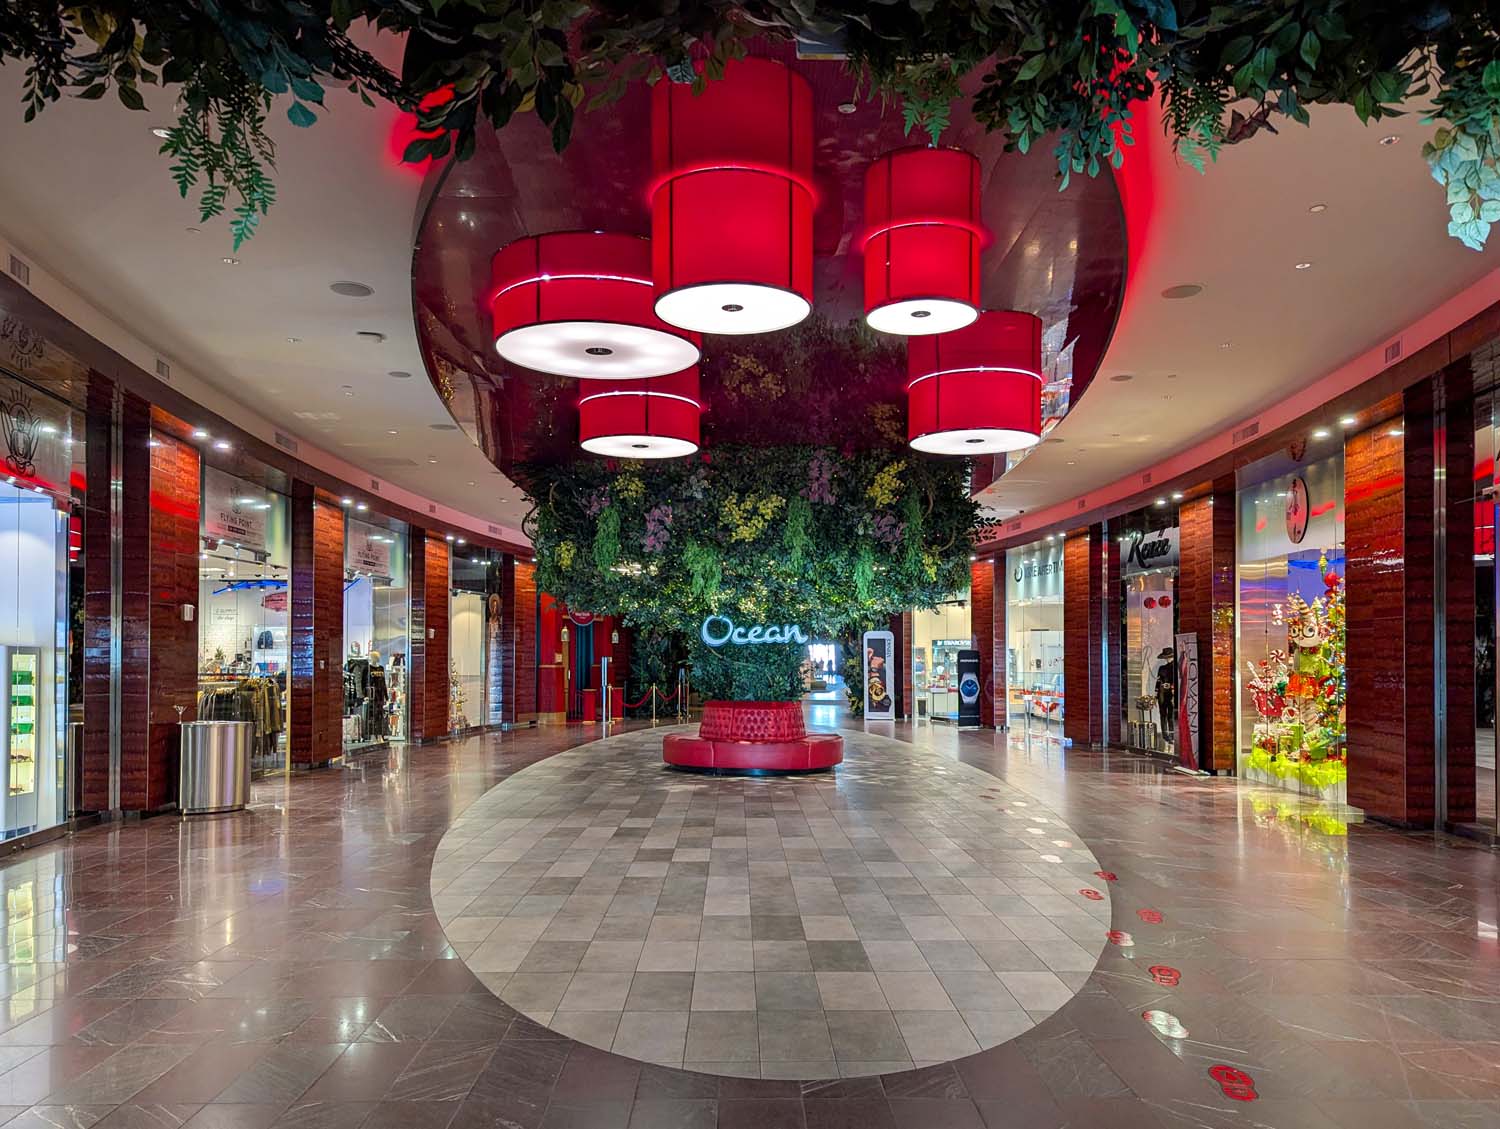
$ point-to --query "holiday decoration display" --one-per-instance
(1299, 694)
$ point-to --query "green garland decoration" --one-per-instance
(1064, 72)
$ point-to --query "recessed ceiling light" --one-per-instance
(392, 431)
(1348, 421)
(460, 541)
(221, 444)
(1072, 462)
(362, 507)
(294, 340)
(1226, 344)
(199, 433)
(471, 484)
(1161, 501)
(450, 537)
(847, 107)
(1395, 433)
(1123, 377)
(346, 501)
(351, 289)
(1318, 209)
(1321, 433)
(230, 261)
(399, 375)
(1389, 139)
(1177, 495)
(161, 131)
(1302, 266)
(432, 458)
(1185, 290)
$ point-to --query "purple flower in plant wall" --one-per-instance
(598, 502)
(658, 528)
(887, 530)
(819, 486)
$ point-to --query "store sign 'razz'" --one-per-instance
(720, 629)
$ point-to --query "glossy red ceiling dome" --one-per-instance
(579, 303)
(732, 200)
(976, 390)
(922, 241)
(642, 419)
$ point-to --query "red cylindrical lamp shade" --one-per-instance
(922, 240)
(976, 390)
(732, 200)
(642, 419)
(579, 303)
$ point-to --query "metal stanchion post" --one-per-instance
(652, 696)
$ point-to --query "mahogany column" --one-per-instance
(1205, 606)
(1388, 490)
(315, 727)
(429, 631)
(150, 783)
(982, 634)
(518, 631)
(100, 634)
(903, 626)
(1083, 636)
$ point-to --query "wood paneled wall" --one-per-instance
(982, 634)
(1083, 636)
(316, 693)
(518, 615)
(429, 631)
(98, 598)
(1205, 606)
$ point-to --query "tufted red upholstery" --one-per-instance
(752, 721)
(800, 754)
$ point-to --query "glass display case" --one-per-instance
(23, 728)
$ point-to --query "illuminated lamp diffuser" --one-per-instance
(642, 419)
(976, 390)
(579, 303)
(922, 241)
(732, 200)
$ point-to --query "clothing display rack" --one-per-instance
(257, 700)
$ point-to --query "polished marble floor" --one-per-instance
(904, 911)
(286, 967)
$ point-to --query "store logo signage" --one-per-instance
(1036, 568)
(718, 630)
(22, 433)
(1156, 550)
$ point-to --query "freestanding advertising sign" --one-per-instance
(968, 689)
(1187, 700)
(880, 704)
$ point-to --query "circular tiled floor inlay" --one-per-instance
(899, 911)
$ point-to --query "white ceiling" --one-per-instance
(1380, 256)
(85, 195)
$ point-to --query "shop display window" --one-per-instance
(1034, 635)
(376, 633)
(938, 634)
(1148, 571)
(243, 616)
(1290, 616)
(41, 459)
(469, 592)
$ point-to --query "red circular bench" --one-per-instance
(753, 737)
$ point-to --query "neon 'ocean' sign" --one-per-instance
(718, 630)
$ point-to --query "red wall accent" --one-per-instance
(551, 669)
(316, 693)
(1083, 635)
(981, 635)
(1205, 605)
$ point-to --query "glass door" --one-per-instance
(1485, 602)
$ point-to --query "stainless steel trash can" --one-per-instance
(215, 766)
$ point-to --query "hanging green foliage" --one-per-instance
(1058, 72)
(607, 538)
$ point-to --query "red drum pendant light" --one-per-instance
(732, 200)
(976, 390)
(642, 419)
(922, 241)
(579, 303)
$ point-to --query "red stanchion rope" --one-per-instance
(644, 698)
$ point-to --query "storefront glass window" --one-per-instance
(41, 453)
(1034, 635)
(468, 616)
(243, 574)
(1148, 568)
(376, 632)
(1486, 366)
(937, 635)
(1290, 617)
